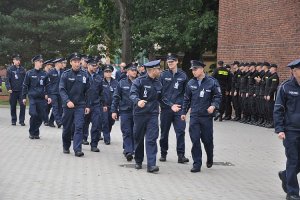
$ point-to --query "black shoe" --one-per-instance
(95, 149)
(220, 118)
(31, 137)
(59, 125)
(66, 151)
(52, 125)
(163, 158)
(22, 123)
(107, 142)
(182, 159)
(194, 170)
(13, 123)
(217, 116)
(79, 154)
(129, 157)
(85, 142)
(37, 137)
(101, 138)
(292, 197)
(46, 123)
(282, 177)
(152, 169)
(227, 118)
(209, 163)
(138, 166)
(271, 125)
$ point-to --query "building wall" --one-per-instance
(259, 30)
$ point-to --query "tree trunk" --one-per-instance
(193, 54)
(123, 7)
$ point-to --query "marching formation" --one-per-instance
(87, 94)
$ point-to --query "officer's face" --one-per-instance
(296, 73)
(38, 64)
(172, 64)
(156, 72)
(16, 62)
(92, 68)
(64, 64)
(83, 63)
(198, 72)
(58, 65)
(141, 69)
(132, 73)
(75, 63)
(107, 74)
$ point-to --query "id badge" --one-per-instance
(41, 82)
(16, 76)
(176, 85)
(202, 93)
(111, 89)
(84, 79)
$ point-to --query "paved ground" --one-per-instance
(37, 169)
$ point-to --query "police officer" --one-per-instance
(34, 86)
(244, 91)
(123, 106)
(145, 93)
(228, 106)
(73, 88)
(287, 126)
(270, 93)
(203, 96)
(14, 81)
(94, 96)
(49, 121)
(174, 81)
(258, 81)
(53, 90)
(235, 90)
(109, 86)
(250, 98)
(142, 71)
(223, 77)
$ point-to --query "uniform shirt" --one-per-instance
(173, 86)
(263, 83)
(121, 100)
(258, 84)
(223, 76)
(143, 73)
(73, 86)
(271, 85)
(200, 98)
(244, 82)
(108, 91)
(148, 89)
(14, 78)
(251, 82)
(287, 107)
(35, 84)
(236, 81)
(95, 95)
(53, 81)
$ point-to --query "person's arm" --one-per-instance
(62, 88)
(134, 91)
(274, 85)
(216, 95)
(279, 110)
(8, 79)
(116, 99)
(26, 84)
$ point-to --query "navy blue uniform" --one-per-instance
(124, 107)
(94, 117)
(53, 92)
(34, 86)
(73, 86)
(120, 75)
(172, 92)
(146, 118)
(236, 100)
(270, 90)
(108, 122)
(286, 119)
(14, 81)
(199, 97)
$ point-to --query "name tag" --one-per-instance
(179, 79)
(293, 93)
(41, 82)
(201, 93)
(168, 79)
(147, 86)
(126, 87)
(208, 90)
(71, 79)
(193, 87)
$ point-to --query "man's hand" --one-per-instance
(211, 109)
(183, 117)
(46, 97)
(9, 91)
(142, 103)
(70, 104)
(114, 116)
(247, 94)
(281, 135)
(176, 107)
(86, 111)
(226, 93)
(24, 101)
(105, 109)
(235, 93)
(268, 98)
(49, 100)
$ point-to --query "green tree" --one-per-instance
(52, 28)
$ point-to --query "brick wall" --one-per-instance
(259, 30)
